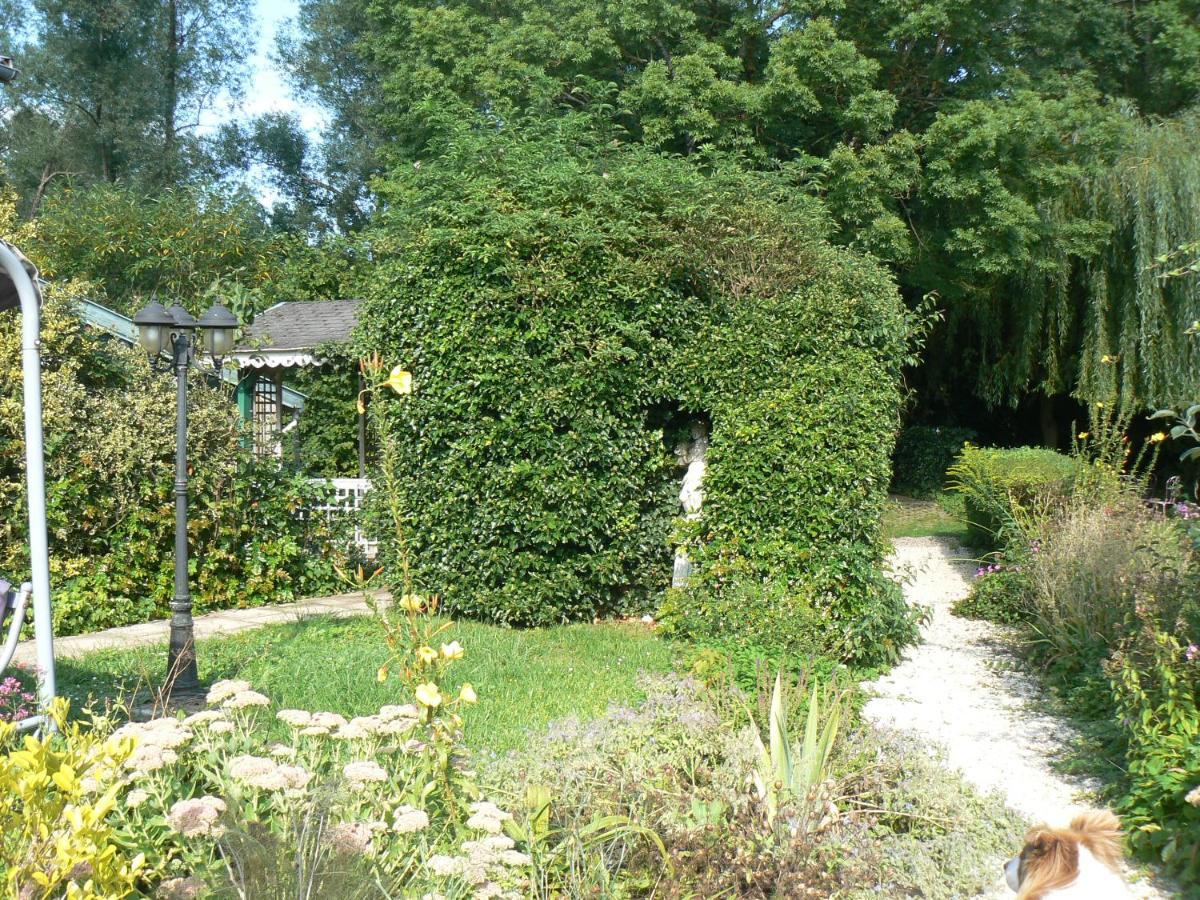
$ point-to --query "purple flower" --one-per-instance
(1192, 652)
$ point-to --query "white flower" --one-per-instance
(244, 699)
(358, 728)
(487, 817)
(243, 768)
(395, 727)
(283, 751)
(198, 817)
(136, 798)
(1193, 796)
(313, 730)
(515, 858)
(409, 819)
(362, 771)
(225, 689)
(203, 717)
(150, 758)
(444, 866)
(327, 720)
(220, 726)
(297, 718)
(406, 711)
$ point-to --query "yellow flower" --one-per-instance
(1083, 435)
(1099, 404)
(426, 654)
(400, 381)
(452, 650)
(1158, 437)
(412, 603)
(467, 693)
(1106, 359)
(428, 694)
(382, 674)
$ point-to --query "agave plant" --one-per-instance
(789, 776)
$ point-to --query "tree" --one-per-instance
(115, 89)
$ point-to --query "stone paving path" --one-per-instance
(965, 689)
(229, 621)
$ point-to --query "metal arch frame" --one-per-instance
(35, 478)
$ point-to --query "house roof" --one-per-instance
(288, 333)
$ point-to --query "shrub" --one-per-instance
(923, 455)
(1156, 687)
(110, 427)
(560, 339)
(57, 796)
(1096, 568)
(1000, 593)
(997, 483)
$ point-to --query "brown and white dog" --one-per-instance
(1081, 862)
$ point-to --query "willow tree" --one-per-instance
(1136, 343)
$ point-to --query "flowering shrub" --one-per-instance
(1001, 589)
(17, 699)
(202, 796)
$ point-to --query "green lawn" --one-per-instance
(524, 678)
(940, 517)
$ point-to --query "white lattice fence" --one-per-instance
(346, 498)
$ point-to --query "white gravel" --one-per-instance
(963, 688)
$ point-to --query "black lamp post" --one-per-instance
(174, 332)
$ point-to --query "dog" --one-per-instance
(1080, 862)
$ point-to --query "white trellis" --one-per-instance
(346, 498)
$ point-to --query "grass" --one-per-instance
(940, 517)
(524, 678)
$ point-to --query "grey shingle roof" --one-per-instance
(300, 325)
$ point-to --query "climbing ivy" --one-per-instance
(565, 315)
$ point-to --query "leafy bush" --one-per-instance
(562, 338)
(1097, 567)
(681, 764)
(923, 455)
(996, 483)
(1156, 688)
(110, 439)
(1000, 593)
(57, 798)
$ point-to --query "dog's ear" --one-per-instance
(1100, 831)
(1049, 861)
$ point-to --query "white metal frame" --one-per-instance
(15, 266)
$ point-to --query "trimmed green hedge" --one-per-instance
(923, 455)
(993, 481)
(567, 311)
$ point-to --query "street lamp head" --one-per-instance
(184, 320)
(218, 325)
(154, 323)
(7, 70)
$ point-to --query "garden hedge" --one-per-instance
(994, 481)
(567, 312)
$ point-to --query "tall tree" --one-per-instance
(117, 89)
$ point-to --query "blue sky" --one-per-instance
(266, 90)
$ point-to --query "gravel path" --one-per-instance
(964, 689)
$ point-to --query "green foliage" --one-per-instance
(1156, 692)
(174, 245)
(790, 775)
(923, 455)
(110, 427)
(996, 483)
(559, 337)
(1000, 593)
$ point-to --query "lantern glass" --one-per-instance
(220, 341)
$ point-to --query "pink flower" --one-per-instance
(1192, 652)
